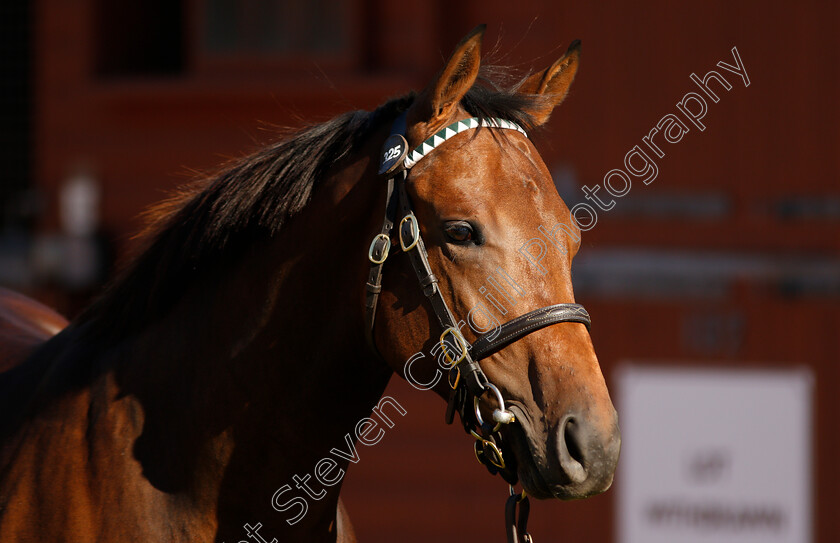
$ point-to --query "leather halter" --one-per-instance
(466, 379)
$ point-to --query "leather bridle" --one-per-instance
(467, 381)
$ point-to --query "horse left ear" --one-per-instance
(553, 83)
(442, 96)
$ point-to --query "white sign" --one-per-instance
(711, 455)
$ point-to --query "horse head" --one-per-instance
(499, 241)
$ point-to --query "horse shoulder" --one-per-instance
(24, 324)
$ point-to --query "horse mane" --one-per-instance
(251, 198)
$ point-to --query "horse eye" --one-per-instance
(459, 231)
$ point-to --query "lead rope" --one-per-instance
(517, 529)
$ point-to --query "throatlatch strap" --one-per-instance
(496, 340)
(377, 254)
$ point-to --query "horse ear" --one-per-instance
(456, 78)
(553, 83)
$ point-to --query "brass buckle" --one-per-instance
(415, 232)
(454, 386)
(461, 344)
(480, 448)
(373, 246)
(496, 452)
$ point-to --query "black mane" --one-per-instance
(252, 198)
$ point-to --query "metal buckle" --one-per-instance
(459, 340)
(497, 453)
(494, 458)
(478, 450)
(500, 415)
(415, 232)
(454, 386)
(373, 247)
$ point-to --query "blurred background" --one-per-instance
(729, 260)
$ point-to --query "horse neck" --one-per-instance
(262, 367)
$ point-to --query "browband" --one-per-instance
(453, 129)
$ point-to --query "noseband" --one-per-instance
(467, 381)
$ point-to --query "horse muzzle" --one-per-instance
(572, 460)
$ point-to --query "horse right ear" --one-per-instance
(440, 99)
(552, 83)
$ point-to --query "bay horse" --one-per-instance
(231, 355)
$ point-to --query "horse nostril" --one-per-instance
(570, 450)
(570, 434)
